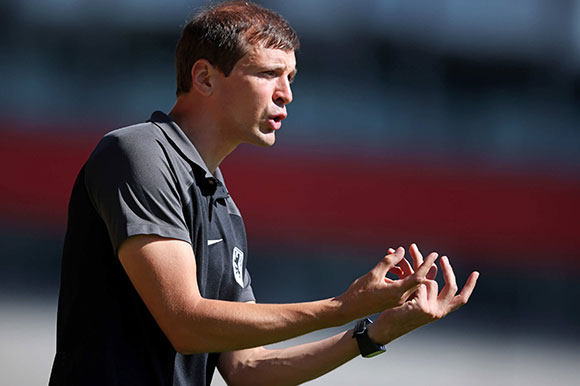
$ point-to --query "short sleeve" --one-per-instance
(247, 293)
(132, 184)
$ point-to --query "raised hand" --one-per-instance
(425, 306)
(374, 292)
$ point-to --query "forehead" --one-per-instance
(263, 57)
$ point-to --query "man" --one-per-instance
(154, 286)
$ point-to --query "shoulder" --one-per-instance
(137, 146)
(131, 139)
(137, 153)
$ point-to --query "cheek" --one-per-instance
(254, 104)
(247, 101)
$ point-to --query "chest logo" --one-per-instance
(212, 242)
(238, 266)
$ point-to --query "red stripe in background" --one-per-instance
(38, 172)
(293, 198)
(387, 203)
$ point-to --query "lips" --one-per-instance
(275, 121)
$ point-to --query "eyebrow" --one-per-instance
(280, 66)
(277, 67)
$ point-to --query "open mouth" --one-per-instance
(278, 117)
(276, 122)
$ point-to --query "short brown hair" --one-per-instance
(224, 33)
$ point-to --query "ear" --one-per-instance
(202, 73)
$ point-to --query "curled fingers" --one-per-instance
(412, 282)
(388, 262)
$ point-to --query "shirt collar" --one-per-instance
(184, 144)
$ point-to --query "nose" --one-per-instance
(283, 94)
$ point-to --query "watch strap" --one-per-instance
(367, 347)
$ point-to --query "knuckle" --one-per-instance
(390, 259)
(432, 315)
(437, 314)
(419, 280)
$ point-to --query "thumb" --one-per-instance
(388, 262)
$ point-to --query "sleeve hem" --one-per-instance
(153, 229)
(247, 295)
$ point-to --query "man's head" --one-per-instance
(224, 33)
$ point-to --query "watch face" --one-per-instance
(361, 327)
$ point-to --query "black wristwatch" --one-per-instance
(367, 347)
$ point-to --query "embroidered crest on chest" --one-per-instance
(238, 266)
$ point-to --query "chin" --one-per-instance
(264, 139)
(266, 143)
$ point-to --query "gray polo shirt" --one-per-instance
(143, 179)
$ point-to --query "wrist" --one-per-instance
(391, 324)
(367, 347)
(376, 334)
(341, 314)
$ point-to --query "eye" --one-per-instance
(292, 76)
(269, 73)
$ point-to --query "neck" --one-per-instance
(212, 146)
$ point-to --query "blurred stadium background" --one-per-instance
(449, 123)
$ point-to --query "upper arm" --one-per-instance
(163, 271)
(133, 186)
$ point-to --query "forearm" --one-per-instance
(163, 272)
(292, 365)
(298, 364)
(218, 326)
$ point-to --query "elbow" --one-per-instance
(246, 368)
(191, 339)
(187, 347)
(182, 348)
(187, 343)
(186, 332)
(180, 342)
(182, 336)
